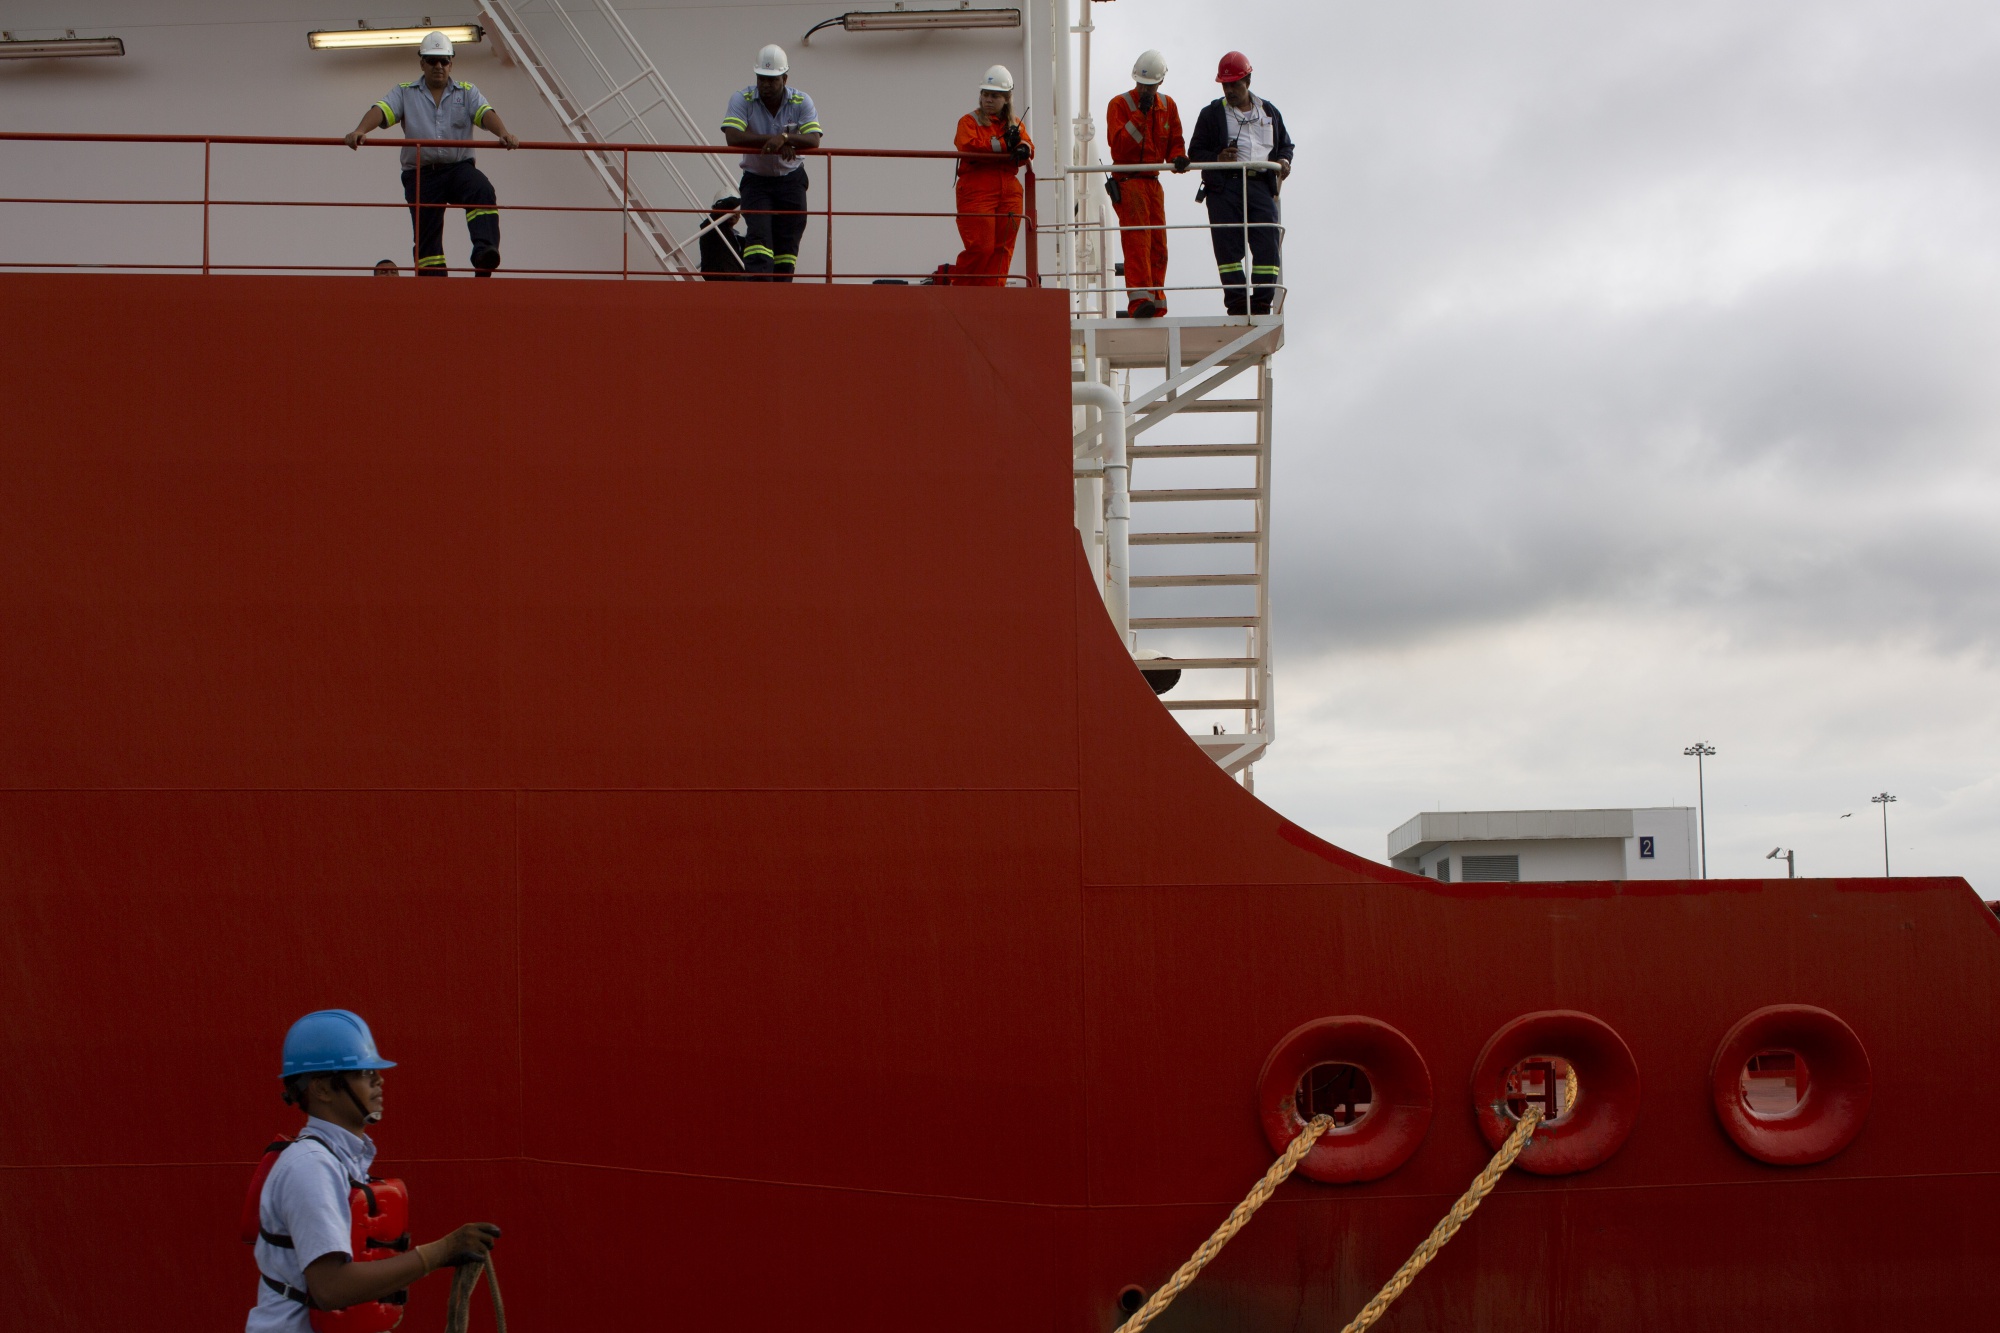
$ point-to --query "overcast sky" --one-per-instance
(1638, 391)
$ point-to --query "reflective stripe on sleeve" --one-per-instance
(732, 123)
(810, 127)
(480, 114)
(388, 116)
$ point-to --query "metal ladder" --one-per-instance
(1224, 650)
(621, 109)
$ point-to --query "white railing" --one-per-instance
(1095, 285)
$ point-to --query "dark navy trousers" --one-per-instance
(459, 185)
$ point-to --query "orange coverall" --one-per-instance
(1139, 135)
(989, 202)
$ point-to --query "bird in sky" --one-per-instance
(1848, 815)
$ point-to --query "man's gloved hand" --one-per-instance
(467, 1245)
(1180, 164)
(1113, 188)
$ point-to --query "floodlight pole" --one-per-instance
(1883, 801)
(1701, 750)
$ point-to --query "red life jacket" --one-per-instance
(380, 1210)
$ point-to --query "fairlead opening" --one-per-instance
(1341, 1092)
(1544, 1081)
(1773, 1083)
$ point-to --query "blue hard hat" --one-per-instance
(329, 1040)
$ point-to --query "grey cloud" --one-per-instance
(1686, 308)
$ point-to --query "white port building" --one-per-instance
(1655, 842)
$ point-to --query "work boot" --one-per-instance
(484, 260)
(1147, 310)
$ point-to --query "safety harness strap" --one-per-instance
(285, 1242)
(288, 1291)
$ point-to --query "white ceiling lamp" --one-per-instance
(365, 37)
(920, 20)
(15, 48)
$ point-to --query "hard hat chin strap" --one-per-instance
(368, 1117)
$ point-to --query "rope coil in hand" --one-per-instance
(1295, 1151)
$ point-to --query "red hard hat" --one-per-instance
(1235, 65)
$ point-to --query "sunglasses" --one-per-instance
(437, 60)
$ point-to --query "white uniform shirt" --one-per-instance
(305, 1197)
(1253, 131)
(451, 116)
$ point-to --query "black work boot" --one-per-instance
(484, 260)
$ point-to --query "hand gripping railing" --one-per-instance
(207, 201)
(1083, 280)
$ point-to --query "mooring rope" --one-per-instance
(1295, 1151)
(458, 1309)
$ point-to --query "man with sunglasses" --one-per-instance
(438, 107)
(311, 1203)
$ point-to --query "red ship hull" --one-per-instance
(707, 764)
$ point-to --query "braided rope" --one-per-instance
(1235, 1222)
(1447, 1227)
(458, 1307)
(1468, 1202)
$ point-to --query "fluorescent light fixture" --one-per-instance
(882, 20)
(906, 20)
(12, 49)
(352, 39)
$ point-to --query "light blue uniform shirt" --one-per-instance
(451, 117)
(795, 115)
(305, 1197)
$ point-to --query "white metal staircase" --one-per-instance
(1200, 539)
(633, 104)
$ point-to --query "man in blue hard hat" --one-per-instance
(315, 1248)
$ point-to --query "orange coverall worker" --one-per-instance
(1138, 133)
(989, 201)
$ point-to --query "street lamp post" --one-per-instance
(1883, 801)
(1791, 867)
(1701, 750)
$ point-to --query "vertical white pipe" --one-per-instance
(1027, 109)
(1065, 147)
(1117, 504)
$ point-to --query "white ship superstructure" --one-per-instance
(1177, 532)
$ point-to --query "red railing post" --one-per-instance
(626, 206)
(417, 220)
(1034, 255)
(207, 152)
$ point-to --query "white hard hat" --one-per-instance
(437, 44)
(999, 79)
(1150, 67)
(772, 60)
